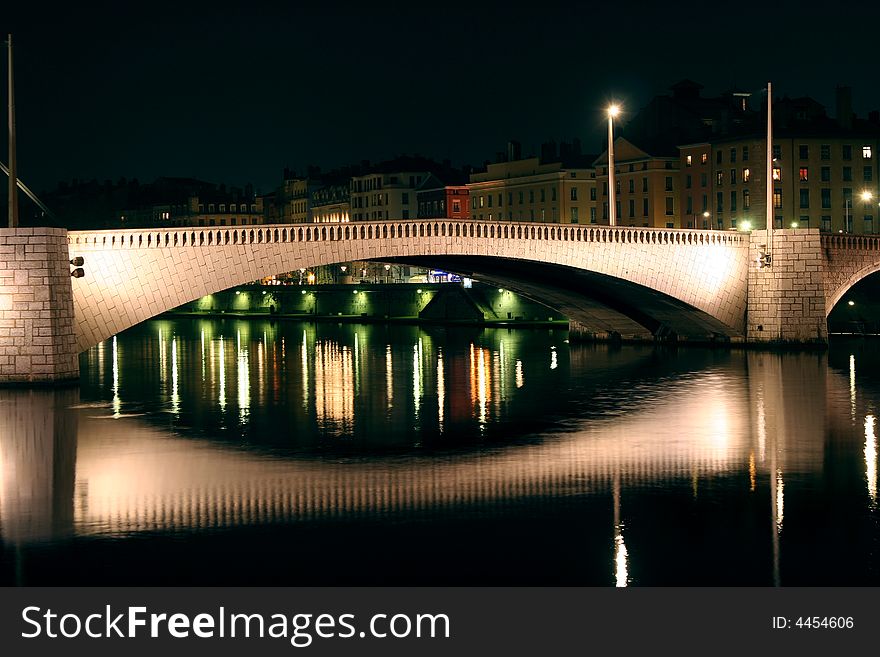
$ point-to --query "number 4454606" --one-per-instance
(824, 622)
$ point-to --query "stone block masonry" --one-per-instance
(37, 333)
(786, 301)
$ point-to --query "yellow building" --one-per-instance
(294, 198)
(377, 196)
(527, 190)
(646, 187)
(827, 181)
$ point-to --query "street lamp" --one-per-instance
(613, 111)
(706, 218)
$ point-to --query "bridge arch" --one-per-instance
(833, 297)
(848, 259)
(648, 276)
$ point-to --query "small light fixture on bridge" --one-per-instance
(794, 224)
(78, 262)
(238, 291)
(419, 291)
(303, 292)
(264, 291)
(343, 268)
(354, 291)
(850, 303)
(501, 290)
(745, 226)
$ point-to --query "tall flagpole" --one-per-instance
(13, 174)
(769, 172)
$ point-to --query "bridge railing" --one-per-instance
(391, 229)
(860, 242)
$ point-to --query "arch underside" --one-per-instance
(604, 305)
(834, 298)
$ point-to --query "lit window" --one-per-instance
(704, 158)
(747, 175)
(777, 173)
(777, 198)
(688, 161)
(803, 174)
(866, 152)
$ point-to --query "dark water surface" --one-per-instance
(249, 452)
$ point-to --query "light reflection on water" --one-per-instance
(610, 466)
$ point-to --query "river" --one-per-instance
(254, 452)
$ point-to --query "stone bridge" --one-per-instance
(617, 282)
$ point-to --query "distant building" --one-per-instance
(554, 189)
(646, 186)
(436, 199)
(331, 203)
(293, 199)
(188, 202)
(386, 195)
(824, 173)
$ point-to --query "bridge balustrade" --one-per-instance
(397, 229)
(860, 242)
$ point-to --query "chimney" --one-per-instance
(548, 151)
(844, 107)
(514, 151)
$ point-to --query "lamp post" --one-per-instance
(613, 111)
(706, 219)
(13, 176)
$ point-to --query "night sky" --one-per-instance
(235, 93)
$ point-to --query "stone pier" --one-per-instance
(37, 337)
(786, 300)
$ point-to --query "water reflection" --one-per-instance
(703, 450)
(871, 459)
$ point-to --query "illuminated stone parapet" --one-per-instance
(37, 337)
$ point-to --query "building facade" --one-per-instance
(436, 199)
(646, 187)
(330, 204)
(377, 196)
(529, 190)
